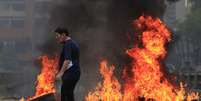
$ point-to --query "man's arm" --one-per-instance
(64, 67)
(67, 62)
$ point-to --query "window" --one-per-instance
(9, 44)
(14, 22)
(18, 7)
(4, 6)
(17, 22)
(4, 22)
(9, 5)
(10, 12)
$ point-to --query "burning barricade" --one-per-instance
(45, 88)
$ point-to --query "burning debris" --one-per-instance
(148, 82)
(46, 97)
(45, 80)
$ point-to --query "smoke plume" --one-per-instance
(102, 29)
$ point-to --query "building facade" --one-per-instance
(21, 23)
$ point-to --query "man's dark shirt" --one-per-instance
(70, 51)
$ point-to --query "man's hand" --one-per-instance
(66, 65)
(59, 75)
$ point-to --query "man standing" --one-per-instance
(69, 69)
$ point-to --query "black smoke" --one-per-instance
(102, 23)
(102, 28)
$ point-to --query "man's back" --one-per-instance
(70, 52)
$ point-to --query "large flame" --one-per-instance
(46, 78)
(109, 90)
(148, 80)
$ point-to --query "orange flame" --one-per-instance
(45, 81)
(148, 80)
(109, 90)
(46, 78)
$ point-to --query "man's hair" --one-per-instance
(61, 30)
